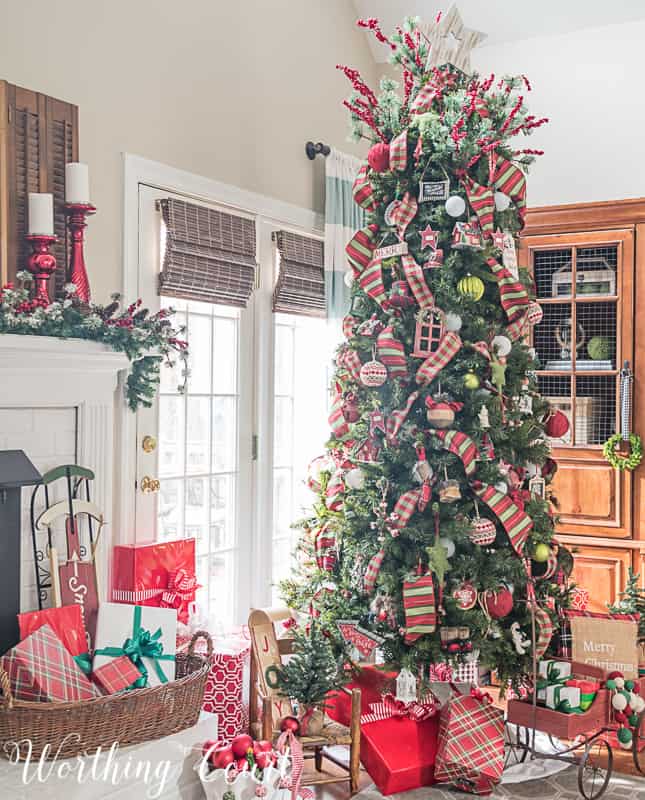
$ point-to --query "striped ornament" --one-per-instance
(391, 352)
(363, 191)
(396, 419)
(462, 446)
(372, 571)
(414, 275)
(360, 248)
(325, 548)
(371, 282)
(335, 492)
(512, 294)
(448, 348)
(516, 523)
(406, 505)
(482, 202)
(336, 420)
(399, 152)
(425, 98)
(420, 607)
(349, 325)
(405, 211)
(509, 178)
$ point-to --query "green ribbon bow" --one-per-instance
(141, 645)
(84, 662)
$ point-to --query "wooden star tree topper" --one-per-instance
(451, 42)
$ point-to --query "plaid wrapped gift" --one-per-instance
(461, 672)
(120, 673)
(40, 669)
(471, 745)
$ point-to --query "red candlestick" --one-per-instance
(41, 263)
(77, 274)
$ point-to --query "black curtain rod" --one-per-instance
(312, 150)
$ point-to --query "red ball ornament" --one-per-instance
(241, 765)
(620, 717)
(262, 746)
(465, 596)
(615, 674)
(382, 615)
(241, 745)
(556, 424)
(378, 157)
(499, 604)
(264, 759)
(290, 724)
(222, 757)
(209, 747)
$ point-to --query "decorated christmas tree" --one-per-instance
(432, 534)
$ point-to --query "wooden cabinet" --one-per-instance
(584, 259)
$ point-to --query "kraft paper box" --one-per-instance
(609, 642)
(122, 629)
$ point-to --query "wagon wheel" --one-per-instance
(516, 745)
(594, 770)
(638, 743)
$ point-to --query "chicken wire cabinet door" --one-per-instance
(584, 285)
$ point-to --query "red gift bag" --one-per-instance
(470, 754)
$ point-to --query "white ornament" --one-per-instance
(348, 279)
(535, 314)
(532, 469)
(502, 345)
(502, 487)
(389, 211)
(619, 702)
(638, 704)
(484, 419)
(502, 201)
(355, 478)
(521, 642)
(455, 205)
(373, 374)
(406, 686)
(453, 322)
(620, 683)
(449, 546)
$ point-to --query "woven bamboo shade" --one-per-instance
(300, 288)
(210, 255)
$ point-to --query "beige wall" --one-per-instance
(228, 89)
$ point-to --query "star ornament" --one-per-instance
(429, 238)
(451, 42)
(498, 239)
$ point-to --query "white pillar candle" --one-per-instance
(41, 214)
(77, 183)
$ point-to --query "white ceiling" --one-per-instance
(505, 20)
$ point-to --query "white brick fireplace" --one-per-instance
(59, 401)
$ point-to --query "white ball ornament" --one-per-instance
(502, 345)
(535, 314)
(453, 322)
(502, 201)
(449, 545)
(355, 478)
(348, 279)
(620, 683)
(455, 205)
(619, 702)
(638, 704)
(373, 374)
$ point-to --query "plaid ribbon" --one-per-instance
(349, 325)
(516, 523)
(414, 275)
(519, 328)
(482, 202)
(448, 348)
(371, 282)
(399, 152)
(512, 294)
(509, 178)
(360, 248)
(396, 419)
(391, 707)
(406, 505)
(363, 191)
(391, 353)
(350, 359)
(404, 212)
(419, 606)
(462, 446)
(335, 491)
(545, 630)
(288, 744)
(426, 96)
(325, 548)
(336, 419)
(372, 571)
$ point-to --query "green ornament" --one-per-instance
(471, 381)
(633, 719)
(629, 685)
(624, 735)
(438, 560)
(498, 374)
(599, 348)
(611, 684)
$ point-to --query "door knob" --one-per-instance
(149, 485)
(148, 444)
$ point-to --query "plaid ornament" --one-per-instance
(399, 152)
(360, 248)
(462, 446)
(512, 294)
(420, 607)
(40, 669)
(426, 96)
(325, 548)
(482, 202)
(336, 419)
(448, 348)
(390, 352)
(372, 571)
(517, 524)
(414, 275)
(404, 212)
(371, 282)
(362, 190)
(396, 419)
(120, 673)
(470, 755)
(509, 178)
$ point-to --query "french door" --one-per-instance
(194, 447)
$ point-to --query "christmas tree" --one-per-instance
(632, 601)
(432, 511)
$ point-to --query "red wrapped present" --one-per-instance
(157, 574)
(399, 744)
(40, 669)
(120, 673)
(470, 755)
(66, 622)
(372, 682)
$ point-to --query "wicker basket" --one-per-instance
(65, 730)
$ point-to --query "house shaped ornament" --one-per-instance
(406, 686)
(467, 234)
(429, 331)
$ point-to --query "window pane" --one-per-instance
(283, 359)
(171, 435)
(171, 502)
(221, 582)
(283, 444)
(224, 456)
(196, 518)
(198, 434)
(282, 502)
(200, 354)
(222, 532)
(225, 356)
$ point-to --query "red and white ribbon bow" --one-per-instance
(288, 743)
(477, 693)
(391, 707)
(181, 586)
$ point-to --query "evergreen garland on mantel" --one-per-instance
(146, 339)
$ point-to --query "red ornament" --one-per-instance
(264, 759)
(209, 747)
(556, 424)
(241, 745)
(290, 724)
(378, 157)
(262, 746)
(350, 407)
(241, 765)
(465, 596)
(382, 615)
(222, 757)
(498, 604)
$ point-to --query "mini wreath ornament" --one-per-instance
(623, 462)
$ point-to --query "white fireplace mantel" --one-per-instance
(43, 372)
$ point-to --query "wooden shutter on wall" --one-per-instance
(300, 288)
(209, 256)
(38, 136)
